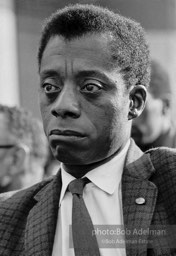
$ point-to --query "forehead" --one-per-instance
(91, 49)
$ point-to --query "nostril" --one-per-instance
(63, 113)
(54, 113)
(73, 115)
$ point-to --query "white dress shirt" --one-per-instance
(103, 200)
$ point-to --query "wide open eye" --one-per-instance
(91, 86)
(49, 88)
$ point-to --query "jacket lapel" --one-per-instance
(139, 199)
(41, 222)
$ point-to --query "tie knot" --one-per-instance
(76, 186)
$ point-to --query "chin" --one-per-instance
(70, 158)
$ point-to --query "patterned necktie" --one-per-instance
(84, 240)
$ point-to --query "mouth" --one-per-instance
(66, 133)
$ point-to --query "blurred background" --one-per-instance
(20, 27)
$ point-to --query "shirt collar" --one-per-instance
(66, 179)
(107, 176)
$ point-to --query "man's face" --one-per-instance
(83, 98)
(148, 127)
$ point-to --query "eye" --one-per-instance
(49, 88)
(92, 87)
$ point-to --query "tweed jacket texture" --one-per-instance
(28, 217)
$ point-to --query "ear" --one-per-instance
(166, 105)
(137, 97)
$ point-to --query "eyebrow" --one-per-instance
(49, 72)
(92, 73)
(82, 73)
(7, 146)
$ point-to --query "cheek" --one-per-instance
(115, 116)
(45, 114)
(119, 111)
(97, 117)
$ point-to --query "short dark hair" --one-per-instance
(128, 47)
(27, 130)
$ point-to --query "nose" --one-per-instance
(67, 103)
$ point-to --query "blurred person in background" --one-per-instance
(23, 149)
(155, 128)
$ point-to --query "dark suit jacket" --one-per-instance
(28, 217)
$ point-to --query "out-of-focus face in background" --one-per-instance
(148, 127)
(154, 127)
(23, 149)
